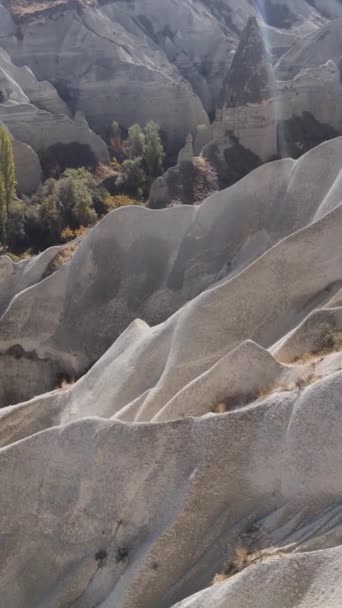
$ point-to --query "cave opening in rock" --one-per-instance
(67, 156)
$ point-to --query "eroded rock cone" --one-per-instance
(250, 79)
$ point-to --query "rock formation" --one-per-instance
(314, 50)
(234, 369)
(170, 396)
(41, 124)
(175, 58)
(188, 182)
(250, 78)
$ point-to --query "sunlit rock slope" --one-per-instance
(206, 420)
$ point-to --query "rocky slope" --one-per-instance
(168, 61)
(269, 110)
(170, 396)
(211, 418)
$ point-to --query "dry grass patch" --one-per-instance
(243, 558)
(64, 255)
(66, 383)
(330, 342)
(220, 408)
(307, 380)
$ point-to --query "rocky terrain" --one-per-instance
(170, 396)
(209, 417)
(68, 66)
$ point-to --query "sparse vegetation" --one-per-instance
(66, 205)
(61, 210)
(330, 341)
(139, 158)
(120, 200)
(205, 182)
(243, 558)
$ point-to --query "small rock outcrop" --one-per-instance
(28, 170)
(189, 182)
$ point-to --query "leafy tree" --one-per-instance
(116, 131)
(153, 151)
(136, 142)
(134, 178)
(7, 180)
(3, 214)
(75, 197)
(16, 235)
(7, 166)
(51, 218)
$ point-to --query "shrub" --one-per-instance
(120, 200)
(133, 180)
(68, 234)
(16, 236)
(153, 153)
(135, 142)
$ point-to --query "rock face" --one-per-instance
(189, 182)
(129, 66)
(174, 57)
(208, 415)
(302, 113)
(250, 79)
(314, 50)
(28, 171)
(49, 130)
(170, 396)
(230, 159)
(156, 266)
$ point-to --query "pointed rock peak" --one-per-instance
(250, 79)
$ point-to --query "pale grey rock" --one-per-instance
(186, 153)
(211, 422)
(136, 264)
(18, 276)
(319, 47)
(28, 171)
(308, 100)
(193, 420)
(10, 91)
(39, 132)
(142, 71)
(198, 486)
(279, 582)
(41, 94)
(7, 25)
(43, 130)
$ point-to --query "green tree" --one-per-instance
(3, 214)
(76, 198)
(7, 167)
(16, 237)
(153, 151)
(134, 178)
(136, 141)
(7, 180)
(116, 131)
